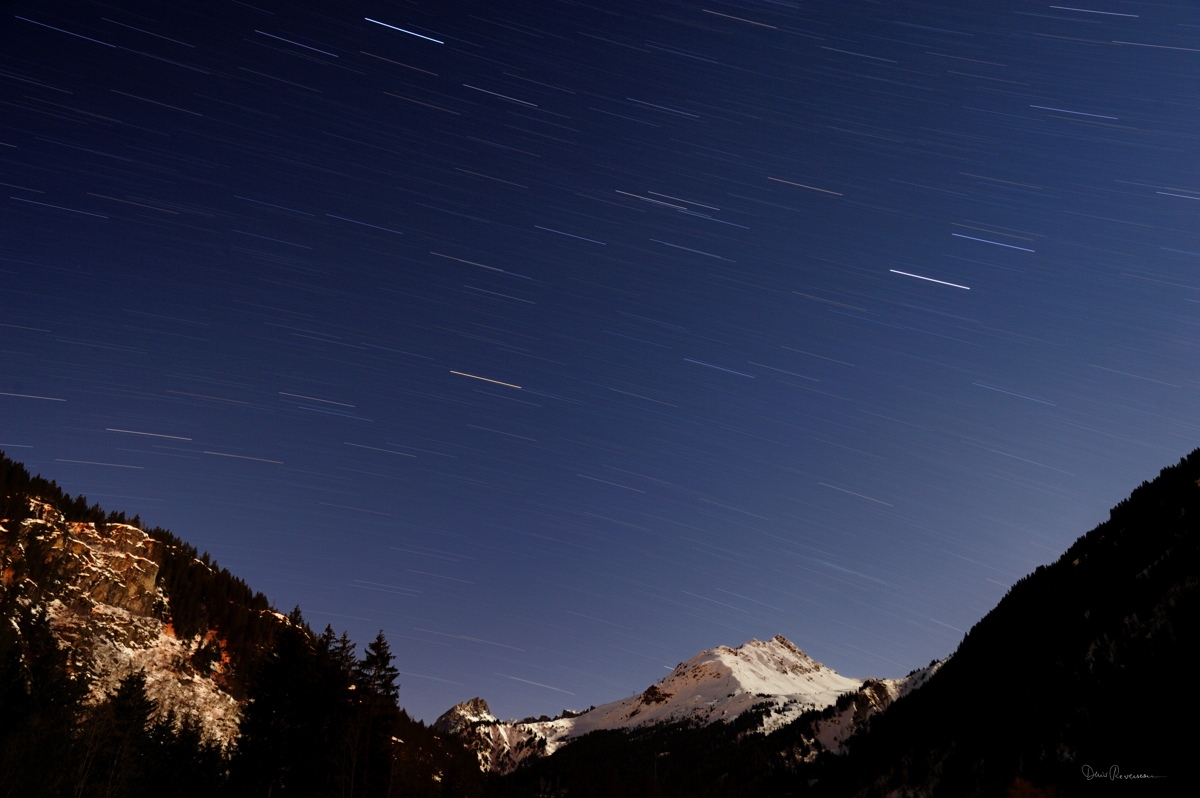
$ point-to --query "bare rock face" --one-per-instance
(499, 746)
(461, 716)
(655, 695)
(98, 587)
(117, 568)
(843, 720)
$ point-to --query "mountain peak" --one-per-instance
(778, 646)
(775, 667)
(715, 685)
(462, 716)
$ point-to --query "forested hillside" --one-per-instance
(316, 719)
(1086, 661)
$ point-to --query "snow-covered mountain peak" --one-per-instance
(723, 682)
(775, 666)
(715, 685)
(462, 716)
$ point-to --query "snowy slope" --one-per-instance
(715, 685)
(718, 684)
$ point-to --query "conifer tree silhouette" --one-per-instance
(378, 673)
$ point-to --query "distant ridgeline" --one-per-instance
(130, 666)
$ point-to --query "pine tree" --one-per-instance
(341, 651)
(38, 702)
(376, 669)
(116, 747)
(193, 766)
(296, 618)
(376, 717)
(277, 729)
(327, 639)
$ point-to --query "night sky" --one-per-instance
(564, 341)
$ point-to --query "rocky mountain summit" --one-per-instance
(774, 679)
(461, 717)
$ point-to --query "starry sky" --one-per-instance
(563, 341)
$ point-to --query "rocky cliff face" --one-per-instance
(98, 587)
(460, 717)
(842, 720)
(500, 746)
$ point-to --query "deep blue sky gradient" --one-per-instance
(563, 341)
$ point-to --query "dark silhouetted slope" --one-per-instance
(1086, 661)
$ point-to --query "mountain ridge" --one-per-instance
(774, 678)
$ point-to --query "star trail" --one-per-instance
(568, 340)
